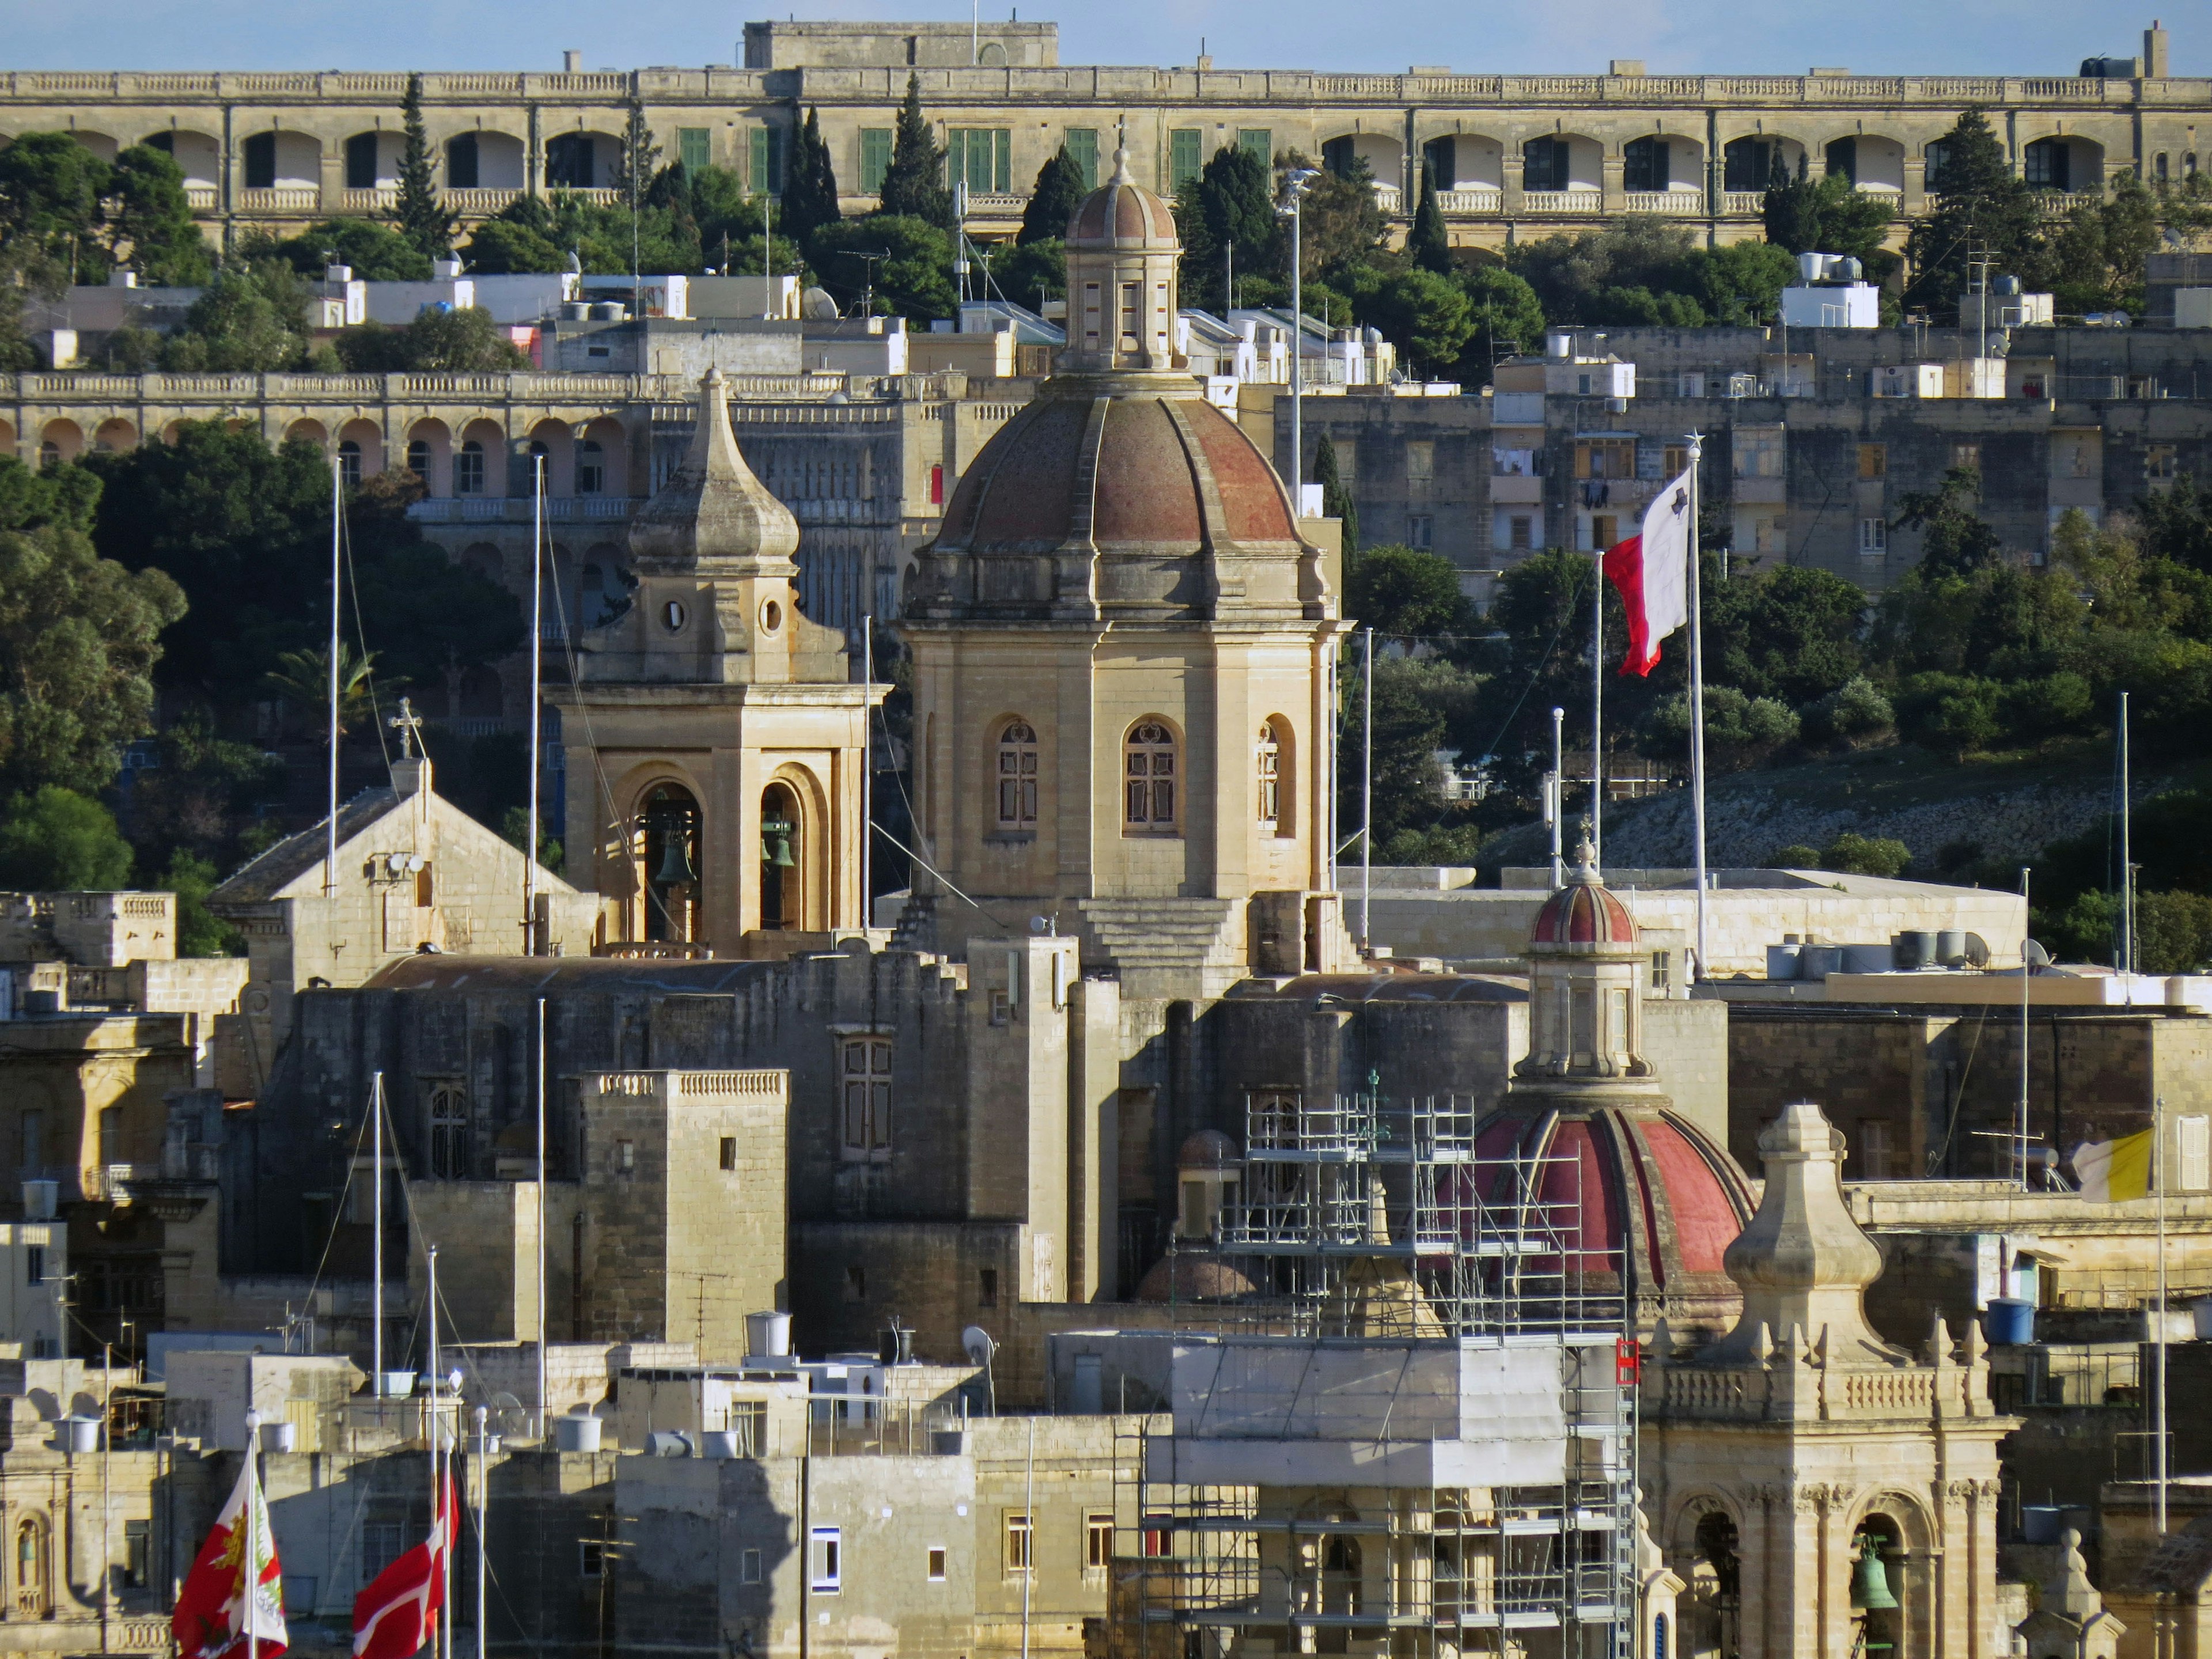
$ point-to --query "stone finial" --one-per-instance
(2068, 1590)
(1762, 1346)
(1802, 1262)
(1939, 1344)
(713, 515)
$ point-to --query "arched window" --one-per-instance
(1018, 776)
(1271, 769)
(31, 1566)
(1149, 772)
(469, 470)
(349, 464)
(418, 460)
(591, 468)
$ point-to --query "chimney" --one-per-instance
(572, 63)
(2155, 50)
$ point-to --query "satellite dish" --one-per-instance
(1040, 925)
(1978, 951)
(2034, 956)
(975, 1342)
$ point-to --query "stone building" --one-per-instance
(1512, 155)
(1807, 450)
(714, 737)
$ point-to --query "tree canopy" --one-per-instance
(1059, 189)
(914, 184)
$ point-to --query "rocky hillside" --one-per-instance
(2007, 810)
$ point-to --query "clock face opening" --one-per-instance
(673, 614)
(771, 616)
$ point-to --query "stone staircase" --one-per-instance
(1168, 947)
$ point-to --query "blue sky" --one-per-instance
(1999, 37)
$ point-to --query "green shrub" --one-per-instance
(2053, 705)
(1862, 855)
(1953, 715)
(56, 841)
(1796, 856)
(1854, 712)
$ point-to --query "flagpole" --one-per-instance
(249, 1570)
(483, 1487)
(867, 758)
(1367, 796)
(376, 1246)
(1598, 705)
(430, 1434)
(2157, 1186)
(1696, 706)
(330, 832)
(542, 1256)
(530, 940)
(1552, 788)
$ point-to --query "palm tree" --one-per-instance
(302, 678)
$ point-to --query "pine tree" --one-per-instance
(1428, 244)
(809, 190)
(640, 156)
(914, 182)
(1335, 500)
(1059, 192)
(1982, 209)
(422, 218)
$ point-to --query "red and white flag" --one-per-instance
(1652, 572)
(397, 1614)
(235, 1591)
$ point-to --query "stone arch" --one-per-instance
(58, 441)
(308, 431)
(1017, 772)
(31, 1571)
(429, 454)
(282, 158)
(666, 836)
(1465, 160)
(483, 160)
(1705, 1544)
(172, 431)
(1748, 160)
(7, 436)
(1898, 1524)
(480, 463)
(368, 437)
(372, 159)
(611, 459)
(98, 143)
(1275, 773)
(1661, 162)
(2063, 162)
(1383, 152)
(799, 898)
(552, 439)
(1154, 789)
(599, 594)
(1561, 161)
(115, 435)
(582, 159)
(486, 560)
(198, 156)
(1872, 161)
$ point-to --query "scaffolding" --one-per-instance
(1431, 1452)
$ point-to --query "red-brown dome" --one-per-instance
(1121, 213)
(1625, 1186)
(1584, 913)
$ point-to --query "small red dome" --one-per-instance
(1121, 213)
(1584, 913)
(1625, 1188)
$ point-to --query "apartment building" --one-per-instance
(1512, 155)
(1809, 440)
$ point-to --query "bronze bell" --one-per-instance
(775, 842)
(1870, 1582)
(676, 869)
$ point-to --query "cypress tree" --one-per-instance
(1059, 192)
(809, 190)
(422, 218)
(1335, 499)
(1427, 242)
(914, 182)
(1981, 206)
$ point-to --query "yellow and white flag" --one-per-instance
(2114, 1169)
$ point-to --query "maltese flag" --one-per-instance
(1652, 572)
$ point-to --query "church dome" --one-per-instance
(1209, 1149)
(1193, 1276)
(1584, 913)
(1167, 473)
(1121, 213)
(1623, 1185)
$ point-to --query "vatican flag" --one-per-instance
(2114, 1169)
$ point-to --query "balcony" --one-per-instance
(1674, 203)
(1586, 203)
(1389, 197)
(1743, 204)
(380, 199)
(1479, 200)
(475, 203)
(285, 198)
(202, 198)
(516, 509)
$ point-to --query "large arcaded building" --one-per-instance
(1513, 156)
